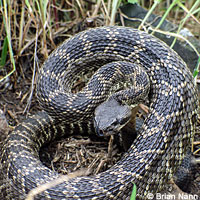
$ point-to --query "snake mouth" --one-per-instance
(109, 133)
(104, 133)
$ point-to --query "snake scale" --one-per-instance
(153, 157)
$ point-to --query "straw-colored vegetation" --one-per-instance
(35, 27)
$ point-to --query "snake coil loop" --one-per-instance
(155, 154)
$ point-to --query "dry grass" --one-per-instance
(34, 28)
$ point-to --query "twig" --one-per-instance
(33, 76)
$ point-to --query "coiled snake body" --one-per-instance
(155, 154)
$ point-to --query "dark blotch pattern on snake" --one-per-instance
(155, 154)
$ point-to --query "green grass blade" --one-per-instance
(28, 5)
(44, 5)
(185, 18)
(115, 4)
(43, 9)
(166, 13)
(196, 70)
(156, 2)
(6, 20)
(133, 1)
(196, 11)
(4, 52)
(133, 195)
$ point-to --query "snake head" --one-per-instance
(110, 117)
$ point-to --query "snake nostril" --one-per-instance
(98, 131)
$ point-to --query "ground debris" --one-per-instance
(78, 152)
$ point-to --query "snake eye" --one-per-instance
(115, 123)
(123, 121)
(98, 131)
